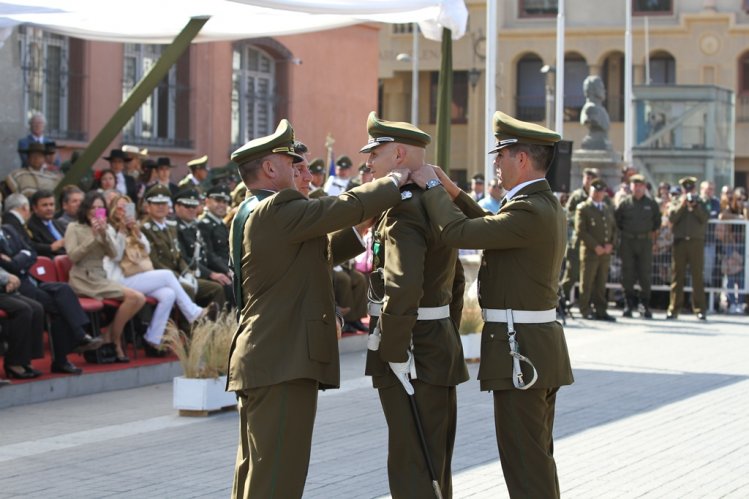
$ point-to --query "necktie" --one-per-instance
(53, 230)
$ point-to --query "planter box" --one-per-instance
(471, 345)
(202, 395)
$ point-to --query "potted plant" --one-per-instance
(204, 358)
(471, 325)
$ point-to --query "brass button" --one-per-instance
(324, 316)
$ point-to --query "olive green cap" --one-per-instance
(219, 193)
(344, 162)
(188, 197)
(687, 181)
(510, 131)
(158, 193)
(591, 172)
(382, 132)
(201, 162)
(599, 185)
(637, 179)
(317, 166)
(280, 142)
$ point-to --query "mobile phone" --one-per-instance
(100, 213)
(130, 210)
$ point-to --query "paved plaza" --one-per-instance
(659, 409)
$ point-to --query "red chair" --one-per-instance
(44, 270)
(91, 306)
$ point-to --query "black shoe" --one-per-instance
(348, 327)
(646, 313)
(154, 350)
(605, 317)
(670, 316)
(627, 313)
(122, 360)
(66, 368)
(31, 370)
(4, 382)
(11, 374)
(701, 316)
(88, 343)
(359, 326)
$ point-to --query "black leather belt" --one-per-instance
(629, 235)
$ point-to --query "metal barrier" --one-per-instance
(725, 269)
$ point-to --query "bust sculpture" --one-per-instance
(594, 116)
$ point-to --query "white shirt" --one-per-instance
(517, 188)
(335, 185)
(121, 183)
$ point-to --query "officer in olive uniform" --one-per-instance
(317, 169)
(638, 217)
(524, 357)
(198, 173)
(215, 231)
(286, 346)
(688, 218)
(165, 253)
(413, 275)
(572, 254)
(595, 227)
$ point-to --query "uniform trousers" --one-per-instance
(408, 474)
(275, 439)
(164, 287)
(594, 270)
(208, 292)
(524, 424)
(571, 269)
(350, 288)
(692, 253)
(24, 328)
(637, 266)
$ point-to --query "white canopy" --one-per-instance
(159, 21)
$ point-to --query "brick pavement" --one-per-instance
(659, 409)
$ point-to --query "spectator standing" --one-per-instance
(317, 171)
(125, 184)
(37, 124)
(27, 180)
(133, 167)
(712, 205)
(638, 218)
(688, 218)
(198, 174)
(164, 175)
(477, 192)
(491, 202)
(336, 184)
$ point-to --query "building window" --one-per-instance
(49, 86)
(459, 104)
(742, 99)
(662, 69)
(253, 94)
(163, 119)
(650, 7)
(612, 73)
(531, 98)
(575, 72)
(537, 8)
(403, 28)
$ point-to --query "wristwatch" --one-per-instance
(433, 183)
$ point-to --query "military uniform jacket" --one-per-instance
(193, 247)
(523, 249)
(165, 253)
(317, 192)
(417, 270)
(687, 224)
(637, 216)
(594, 227)
(216, 238)
(287, 326)
(577, 197)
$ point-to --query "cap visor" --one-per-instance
(370, 146)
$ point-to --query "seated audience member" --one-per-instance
(37, 124)
(159, 284)
(165, 253)
(46, 232)
(105, 180)
(70, 199)
(87, 243)
(25, 326)
(125, 184)
(215, 232)
(35, 176)
(164, 175)
(57, 298)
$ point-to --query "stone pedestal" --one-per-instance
(607, 162)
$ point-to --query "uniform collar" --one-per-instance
(512, 192)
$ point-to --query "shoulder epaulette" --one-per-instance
(147, 225)
(171, 223)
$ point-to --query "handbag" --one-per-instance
(135, 259)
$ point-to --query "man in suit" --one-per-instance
(524, 357)
(25, 327)
(595, 227)
(37, 124)
(413, 275)
(125, 183)
(17, 256)
(286, 347)
(198, 174)
(71, 197)
(165, 249)
(47, 234)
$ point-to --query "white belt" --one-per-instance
(425, 313)
(519, 316)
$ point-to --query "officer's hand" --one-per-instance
(57, 244)
(423, 175)
(599, 250)
(608, 248)
(400, 175)
(13, 283)
(402, 370)
(363, 227)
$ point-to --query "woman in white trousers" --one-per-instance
(161, 285)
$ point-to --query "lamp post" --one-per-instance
(414, 59)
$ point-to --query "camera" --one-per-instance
(691, 197)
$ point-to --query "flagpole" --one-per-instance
(627, 156)
(559, 102)
(490, 95)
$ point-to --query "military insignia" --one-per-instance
(406, 195)
(147, 225)
(171, 222)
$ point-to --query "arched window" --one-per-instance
(253, 93)
(575, 72)
(612, 73)
(662, 69)
(530, 99)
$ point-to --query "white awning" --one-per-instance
(159, 21)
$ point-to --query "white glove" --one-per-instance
(373, 341)
(402, 370)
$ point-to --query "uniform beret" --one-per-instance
(188, 197)
(599, 185)
(344, 162)
(637, 178)
(382, 132)
(280, 142)
(510, 131)
(158, 193)
(219, 193)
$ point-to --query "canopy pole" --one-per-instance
(444, 101)
(559, 103)
(133, 102)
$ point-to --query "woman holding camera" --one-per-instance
(87, 242)
(131, 266)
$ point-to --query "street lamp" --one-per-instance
(414, 59)
(547, 70)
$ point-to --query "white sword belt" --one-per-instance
(425, 313)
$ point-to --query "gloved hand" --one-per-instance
(402, 370)
(373, 340)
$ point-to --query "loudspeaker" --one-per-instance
(561, 166)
